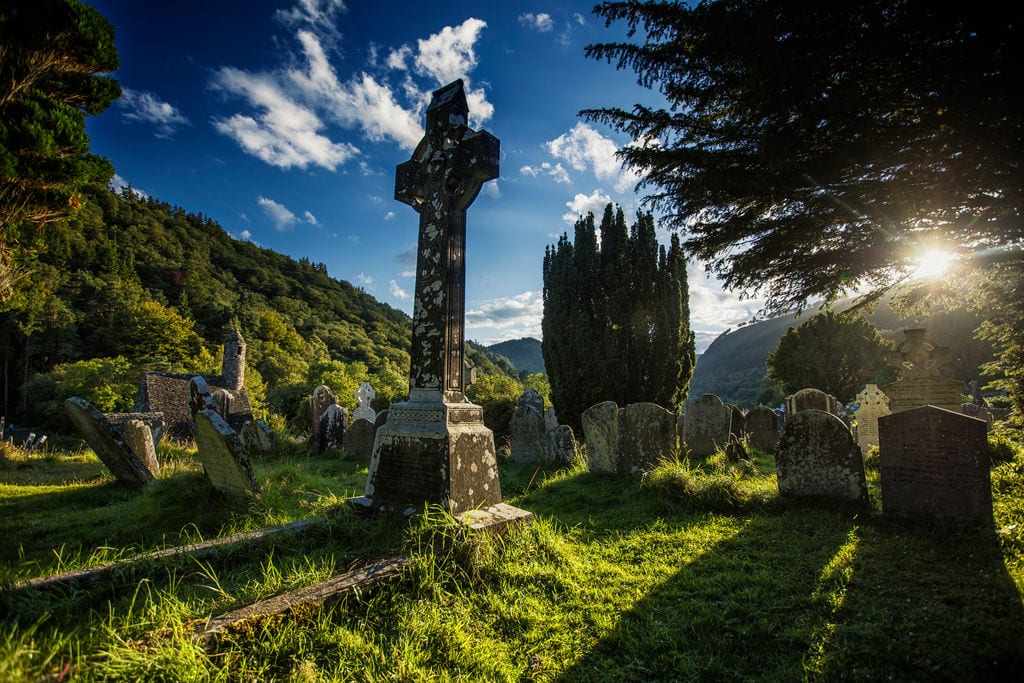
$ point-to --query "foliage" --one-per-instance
(616, 318)
(497, 395)
(52, 53)
(814, 149)
(109, 384)
(837, 353)
(1002, 303)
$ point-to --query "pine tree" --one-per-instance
(616, 318)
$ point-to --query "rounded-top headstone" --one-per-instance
(601, 434)
(648, 435)
(707, 425)
(816, 457)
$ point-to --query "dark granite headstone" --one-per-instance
(935, 463)
(359, 439)
(816, 457)
(321, 398)
(107, 443)
(331, 430)
(762, 426)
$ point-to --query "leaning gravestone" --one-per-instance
(435, 447)
(526, 434)
(921, 384)
(647, 436)
(330, 432)
(602, 436)
(111, 448)
(873, 405)
(223, 455)
(762, 427)
(199, 396)
(359, 439)
(810, 399)
(139, 438)
(560, 446)
(706, 426)
(935, 463)
(816, 457)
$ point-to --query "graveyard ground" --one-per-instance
(697, 571)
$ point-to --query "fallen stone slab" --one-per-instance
(318, 595)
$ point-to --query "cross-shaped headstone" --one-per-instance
(918, 356)
(442, 179)
(365, 394)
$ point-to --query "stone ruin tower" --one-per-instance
(233, 367)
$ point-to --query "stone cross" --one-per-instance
(365, 394)
(917, 356)
(442, 179)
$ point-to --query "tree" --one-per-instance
(616, 318)
(51, 55)
(836, 352)
(809, 149)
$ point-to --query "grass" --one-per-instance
(696, 571)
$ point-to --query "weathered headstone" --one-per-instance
(873, 405)
(762, 426)
(223, 400)
(526, 434)
(738, 425)
(331, 430)
(257, 436)
(706, 426)
(550, 419)
(935, 463)
(810, 399)
(223, 455)
(647, 436)
(108, 444)
(435, 447)
(139, 438)
(816, 457)
(359, 439)
(155, 422)
(319, 400)
(921, 384)
(602, 436)
(364, 395)
(560, 446)
(979, 411)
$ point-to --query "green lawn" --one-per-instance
(694, 572)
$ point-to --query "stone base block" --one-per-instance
(500, 518)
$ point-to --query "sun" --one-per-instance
(932, 264)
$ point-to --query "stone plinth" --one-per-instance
(436, 453)
(917, 391)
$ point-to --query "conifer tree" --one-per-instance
(616, 318)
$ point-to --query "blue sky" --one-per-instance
(283, 120)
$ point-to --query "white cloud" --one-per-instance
(449, 54)
(491, 189)
(354, 239)
(145, 107)
(118, 184)
(583, 204)
(539, 22)
(245, 235)
(584, 147)
(318, 13)
(282, 218)
(407, 273)
(286, 133)
(714, 310)
(310, 218)
(407, 256)
(389, 216)
(557, 171)
(398, 58)
(364, 279)
(397, 291)
(514, 316)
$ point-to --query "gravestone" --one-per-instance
(139, 438)
(921, 384)
(550, 419)
(223, 455)
(810, 399)
(706, 426)
(319, 400)
(816, 457)
(762, 426)
(331, 430)
(979, 411)
(647, 435)
(435, 447)
(560, 446)
(257, 436)
(935, 463)
(602, 436)
(526, 434)
(873, 405)
(738, 426)
(364, 395)
(532, 398)
(381, 419)
(359, 439)
(111, 448)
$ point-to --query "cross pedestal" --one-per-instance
(434, 447)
